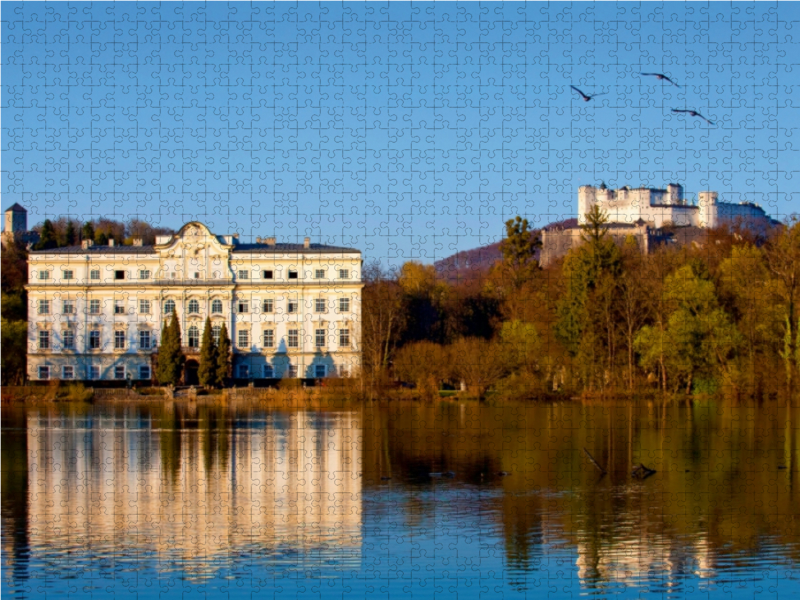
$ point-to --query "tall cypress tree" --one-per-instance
(70, 236)
(207, 373)
(165, 369)
(223, 356)
(170, 353)
(179, 358)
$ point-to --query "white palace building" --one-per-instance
(292, 310)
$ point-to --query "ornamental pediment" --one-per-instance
(193, 239)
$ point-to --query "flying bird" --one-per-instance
(584, 96)
(661, 77)
(692, 113)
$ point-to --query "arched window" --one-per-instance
(215, 331)
(194, 307)
(169, 307)
(216, 306)
(194, 337)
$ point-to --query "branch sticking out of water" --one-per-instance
(594, 462)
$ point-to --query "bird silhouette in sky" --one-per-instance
(584, 96)
(692, 113)
(661, 77)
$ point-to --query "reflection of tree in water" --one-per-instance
(14, 500)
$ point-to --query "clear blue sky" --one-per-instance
(407, 130)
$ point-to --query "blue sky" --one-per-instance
(407, 130)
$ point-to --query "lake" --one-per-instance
(386, 499)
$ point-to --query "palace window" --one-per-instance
(244, 275)
(215, 333)
(68, 337)
(44, 275)
(319, 274)
(94, 274)
(94, 307)
(144, 372)
(68, 307)
(344, 274)
(269, 372)
(94, 339)
(291, 307)
(144, 307)
(44, 307)
(144, 274)
(292, 372)
(216, 306)
(194, 307)
(319, 305)
(243, 338)
(344, 338)
(293, 339)
(94, 372)
(119, 307)
(67, 372)
(119, 372)
(243, 306)
(319, 338)
(319, 371)
(44, 340)
(292, 274)
(269, 338)
(67, 275)
(44, 372)
(344, 304)
(119, 340)
(268, 306)
(267, 274)
(119, 275)
(169, 307)
(144, 339)
(244, 372)
(194, 337)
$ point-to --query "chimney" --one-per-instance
(307, 243)
(137, 241)
(86, 244)
(270, 241)
(111, 242)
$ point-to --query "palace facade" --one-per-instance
(292, 310)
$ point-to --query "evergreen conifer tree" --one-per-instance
(207, 373)
(87, 232)
(170, 354)
(164, 370)
(47, 237)
(223, 356)
(70, 236)
(179, 358)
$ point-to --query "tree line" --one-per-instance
(716, 317)
(64, 232)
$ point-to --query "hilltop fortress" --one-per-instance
(644, 213)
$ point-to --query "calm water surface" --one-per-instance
(154, 501)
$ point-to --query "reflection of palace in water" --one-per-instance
(290, 484)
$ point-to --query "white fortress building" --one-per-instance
(643, 212)
(658, 207)
(291, 310)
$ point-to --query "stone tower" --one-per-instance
(16, 219)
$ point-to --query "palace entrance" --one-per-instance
(190, 373)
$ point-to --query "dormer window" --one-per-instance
(119, 275)
(244, 275)
(292, 274)
(267, 274)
